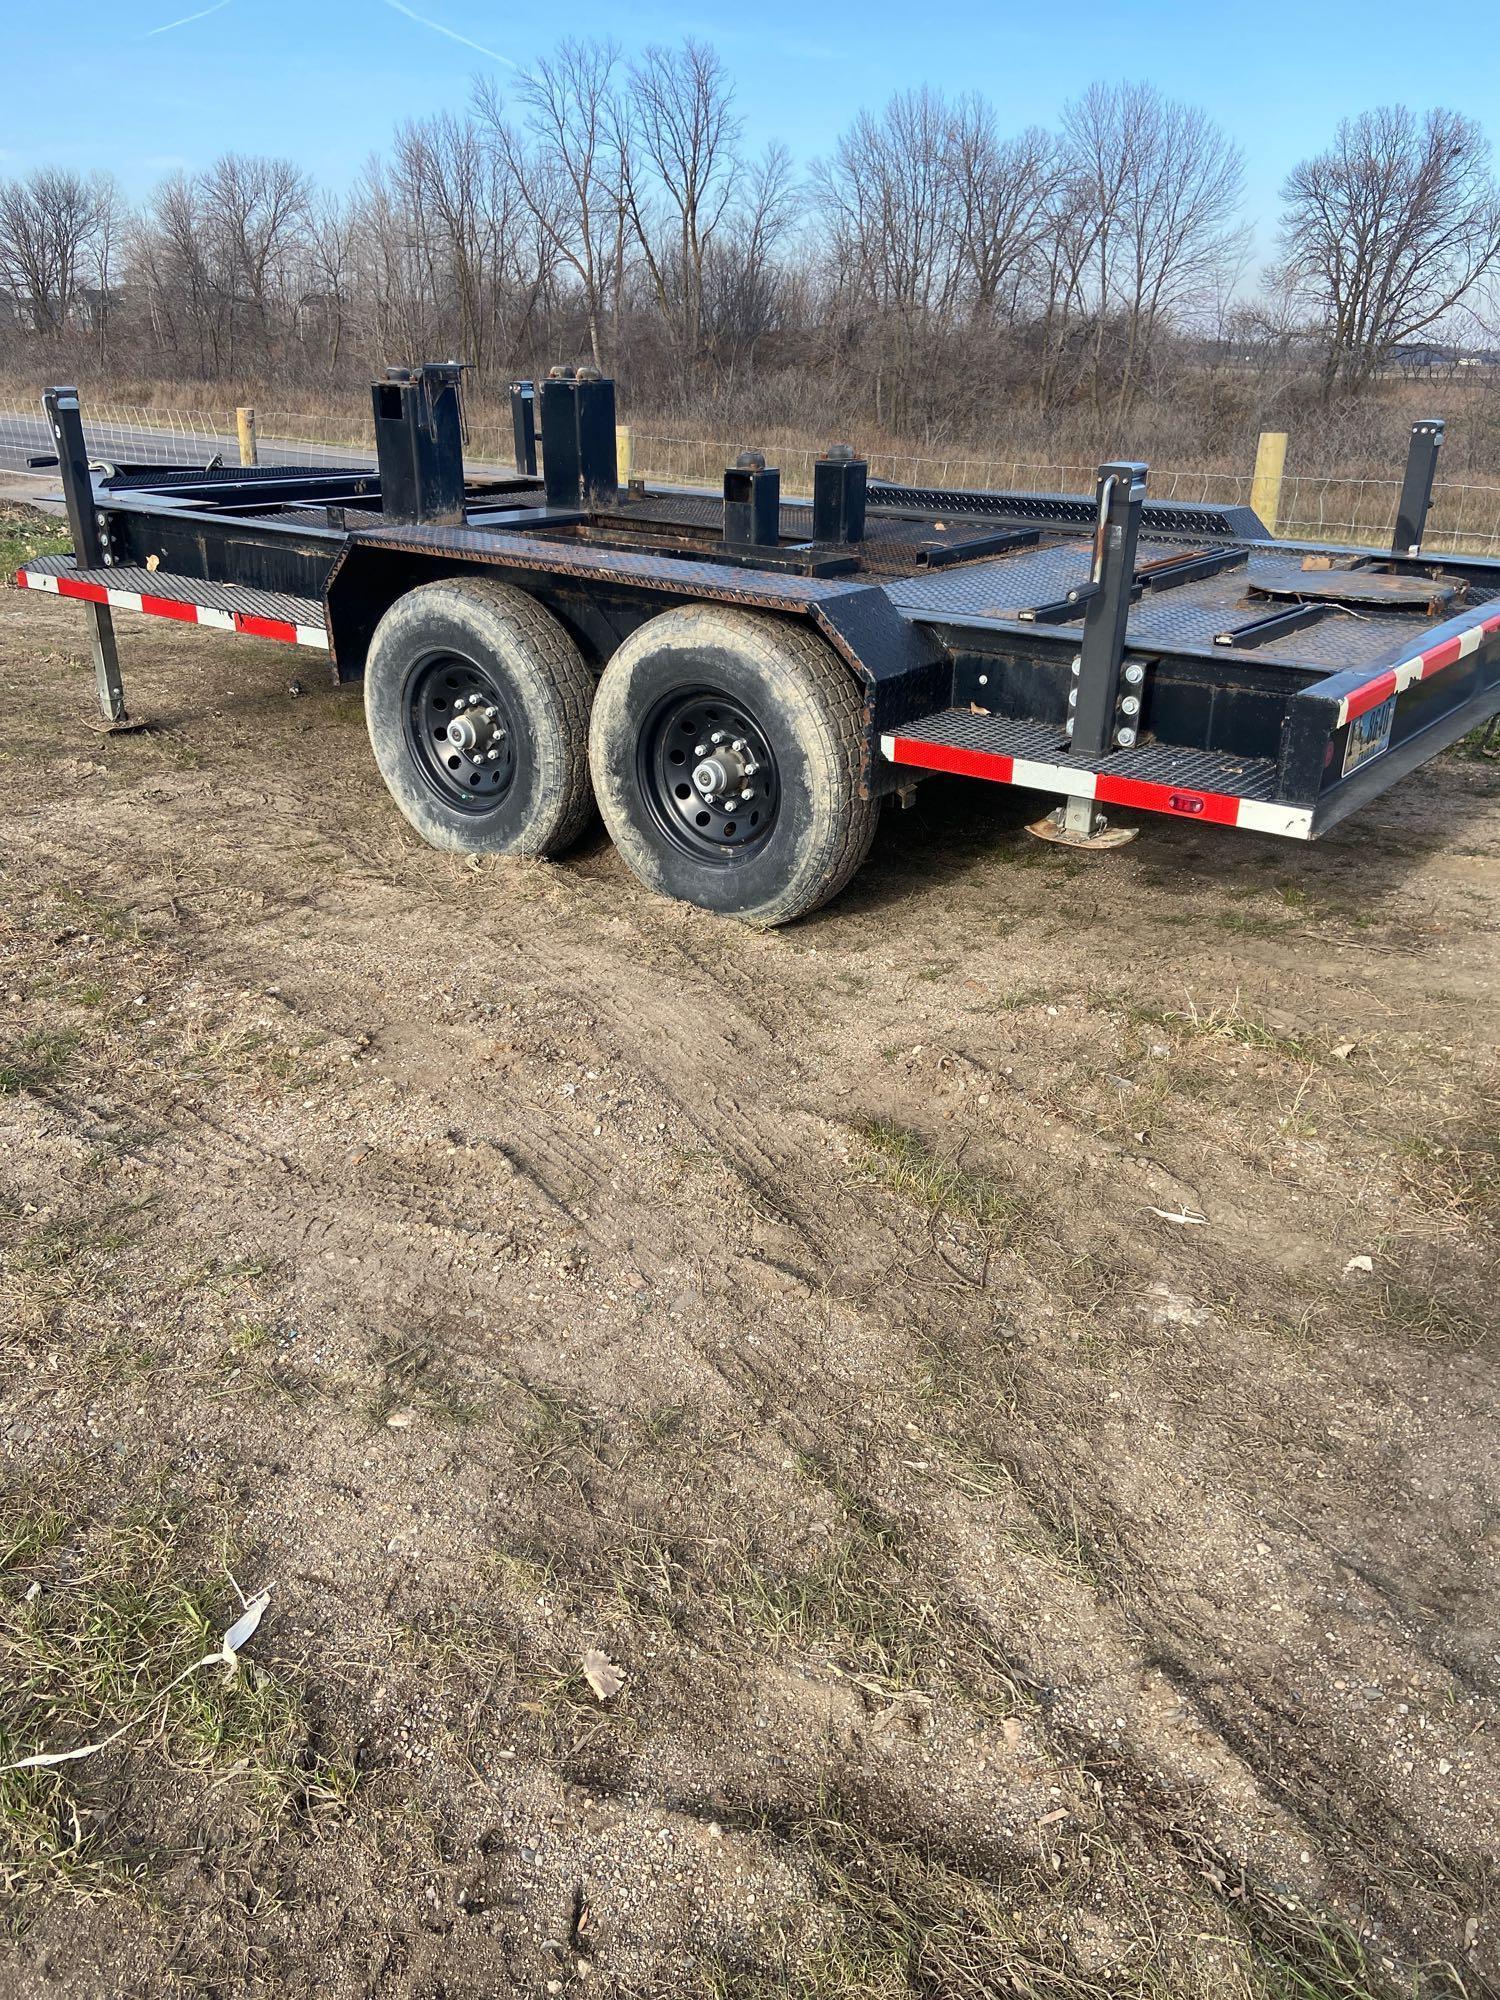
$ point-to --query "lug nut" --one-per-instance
(492, 714)
(717, 737)
(748, 792)
(700, 749)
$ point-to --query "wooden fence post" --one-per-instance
(1265, 488)
(622, 453)
(245, 423)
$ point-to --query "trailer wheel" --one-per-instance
(477, 704)
(725, 749)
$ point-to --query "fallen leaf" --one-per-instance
(1359, 1264)
(601, 1673)
(153, 562)
(244, 1626)
(1344, 1050)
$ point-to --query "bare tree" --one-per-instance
(745, 288)
(677, 126)
(48, 221)
(1388, 232)
(887, 201)
(1004, 190)
(569, 175)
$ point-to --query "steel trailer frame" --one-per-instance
(1114, 650)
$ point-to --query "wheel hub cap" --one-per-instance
(457, 726)
(708, 772)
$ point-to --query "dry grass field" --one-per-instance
(1006, 1369)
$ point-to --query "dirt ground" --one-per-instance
(1006, 1370)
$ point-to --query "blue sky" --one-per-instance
(324, 81)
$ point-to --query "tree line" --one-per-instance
(928, 268)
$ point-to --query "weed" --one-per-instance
(414, 1375)
(898, 1159)
(114, 1619)
(1230, 1023)
(42, 1057)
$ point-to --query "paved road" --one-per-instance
(24, 433)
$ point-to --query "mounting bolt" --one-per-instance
(1072, 697)
(1135, 673)
(1124, 737)
(1130, 704)
(1076, 664)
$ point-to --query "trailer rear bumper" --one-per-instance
(1210, 786)
(224, 607)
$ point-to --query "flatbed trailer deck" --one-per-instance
(738, 680)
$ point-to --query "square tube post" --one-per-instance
(523, 422)
(752, 503)
(419, 444)
(1097, 722)
(65, 419)
(579, 463)
(839, 481)
(1416, 487)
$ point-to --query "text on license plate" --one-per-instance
(1369, 735)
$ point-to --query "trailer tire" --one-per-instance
(518, 781)
(761, 703)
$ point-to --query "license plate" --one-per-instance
(1369, 735)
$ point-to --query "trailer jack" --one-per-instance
(1078, 823)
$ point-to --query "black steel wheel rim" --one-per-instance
(708, 774)
(460, 732)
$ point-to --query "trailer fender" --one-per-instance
(601, 595)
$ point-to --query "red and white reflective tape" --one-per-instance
(247, 622)
(1218, 808)
(1421, 667)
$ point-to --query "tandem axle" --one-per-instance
(735, 680)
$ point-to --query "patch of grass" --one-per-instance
(1458, 1176)
(253, 1362)
(894, 1921)
(898, 1159)
(254, 1055)
(849, 1600)
(112, 1618)
(415, 1375)
(26, 534)
(561, 1441)
(44, 1056)
(1230, 1023)
(1481, 742)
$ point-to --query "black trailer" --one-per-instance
(738, 680)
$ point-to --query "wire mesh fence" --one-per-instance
(1465, 517)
